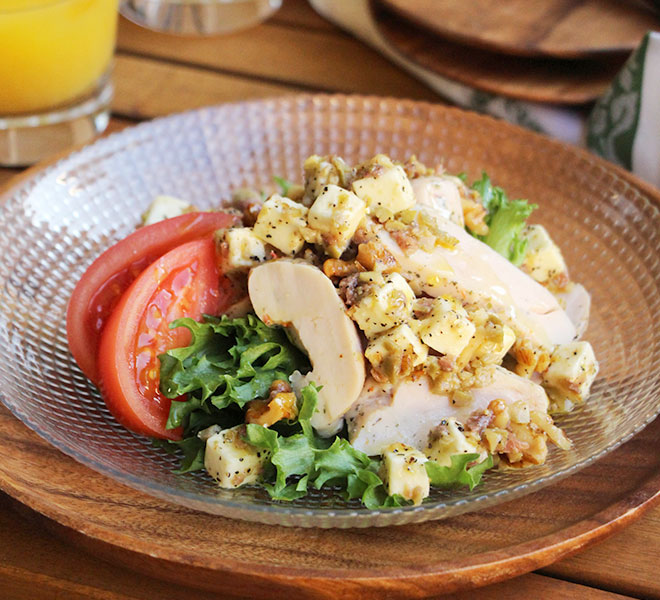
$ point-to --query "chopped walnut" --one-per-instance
(347, 290)
(375, 257)
(335, 267)
(250, 213)
(414, 168)
(281, 404)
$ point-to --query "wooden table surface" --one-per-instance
(294, 51)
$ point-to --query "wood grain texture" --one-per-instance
(299, 57)
(556, 28)
(551, 81)
(147, 88)
(7, 174)
(196, 549)
(627, 563)
(29, 555)
(296, 13)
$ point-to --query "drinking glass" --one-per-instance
(198, 17)
(55, 89)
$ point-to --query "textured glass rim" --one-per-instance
(292, 516)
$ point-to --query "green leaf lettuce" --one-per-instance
(505, 219)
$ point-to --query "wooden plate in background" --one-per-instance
(245, 559)
(536, 80)
(555, 28)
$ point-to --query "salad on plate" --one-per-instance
(380, 329)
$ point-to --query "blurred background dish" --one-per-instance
(198, 17)
(550, 80)
(549, 28)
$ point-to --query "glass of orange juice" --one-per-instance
(55, 89)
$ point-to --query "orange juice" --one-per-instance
(52, 51)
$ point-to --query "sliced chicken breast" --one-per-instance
(406, 413)
(577, 304)
(475, 273)
(441, 194)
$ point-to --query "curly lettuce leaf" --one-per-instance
(192, 453)
(228, 361)
(232, 361)
(505, 219)
(283, 184)
(304, 460)
(458, 474)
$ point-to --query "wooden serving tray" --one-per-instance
(240, 558)
(537, 80)
(551, 28)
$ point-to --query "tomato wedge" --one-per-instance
(182, 283)
(102, 285)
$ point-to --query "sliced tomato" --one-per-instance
(102, 285)
(182, 283)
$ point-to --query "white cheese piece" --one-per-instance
(165, 207)
(386, 193)
(403, 472)
(399, 340)
(336, 214)
(240, 249)
(298, 295)
(446, 440)
(384, 414)
(447, 329)
(573, 368)
(543, 259)
(280, 223)
(230, 460)
(441, 193)
(387, 304)
(493, 349)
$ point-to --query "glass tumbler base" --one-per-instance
(198, 17)
(27, 139)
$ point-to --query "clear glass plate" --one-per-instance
(54, 224)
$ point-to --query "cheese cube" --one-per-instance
(403, 472)
(447, 329)
(239, 249)
(386, 302)
(543, 259)
(497, 341)
(165, 207)
(336, 214)
(394, 353)
(386, 193)
(280, 223)
(321, 171)
(448, 439)
(573, 368)
(232, 461)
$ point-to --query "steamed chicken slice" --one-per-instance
(477, 274)
(577, 303)
(299, 296)
(441, 194)
(407, 412)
